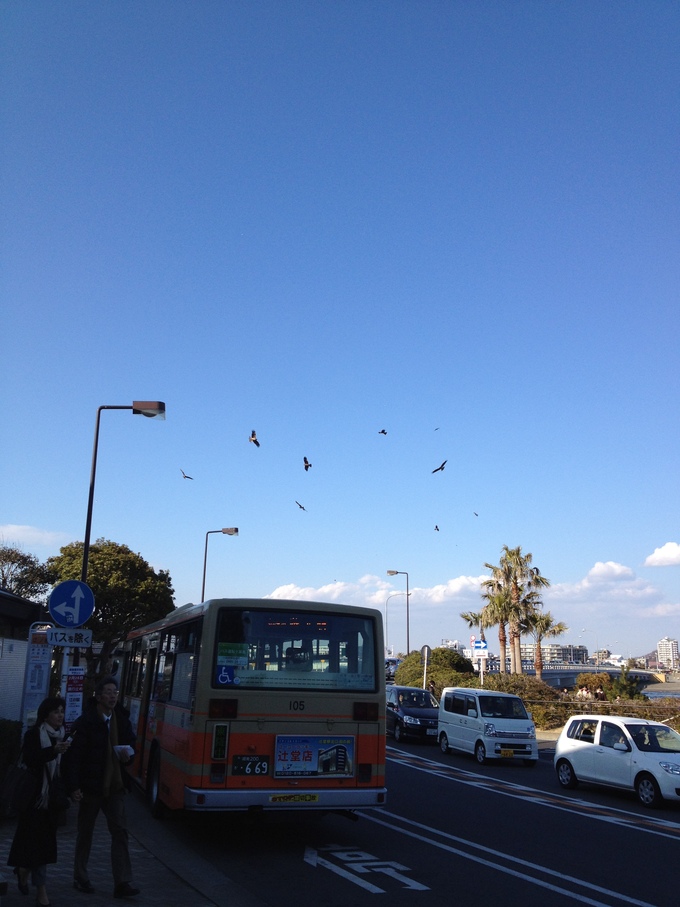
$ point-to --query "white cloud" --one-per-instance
(667, 555)
(32, 537)
(605, 582)
(617, 606)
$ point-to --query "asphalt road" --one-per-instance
(452, 832)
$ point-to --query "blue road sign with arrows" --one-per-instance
(71, 603)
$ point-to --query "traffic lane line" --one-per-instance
(649, 824)
(498, 861)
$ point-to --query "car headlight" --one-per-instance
(409, 720)
(531, 731)
(673, 768)
(489, 729)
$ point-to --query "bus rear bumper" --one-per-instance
(223, 800)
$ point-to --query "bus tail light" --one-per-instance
(222, 708)
(365, 711)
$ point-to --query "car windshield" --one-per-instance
(502, 707)
(651, 738)
(417, 699)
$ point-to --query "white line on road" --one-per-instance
(498, 855)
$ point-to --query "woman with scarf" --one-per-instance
(35, 838)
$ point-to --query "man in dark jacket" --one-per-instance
(103, 740)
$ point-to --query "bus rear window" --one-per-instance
(279, 649)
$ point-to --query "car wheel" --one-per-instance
(565, 774)
(398, 733)
(443, 743)
(480, 752)
(153, 783)
(647, 791)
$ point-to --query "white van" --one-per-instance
(487, 724)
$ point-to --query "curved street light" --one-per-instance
(233, 530)
(152, 409)
(404, 573)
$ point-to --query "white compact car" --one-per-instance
(630, 753)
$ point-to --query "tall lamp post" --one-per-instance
(408, 638)
(150, 408)
(231, 531)
(387, 639)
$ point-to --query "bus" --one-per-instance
(258, 704)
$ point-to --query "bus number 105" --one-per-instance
(296, 705)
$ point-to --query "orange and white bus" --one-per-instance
(258, 704)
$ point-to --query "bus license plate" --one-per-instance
(250, 765)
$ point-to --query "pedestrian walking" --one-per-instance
(103, 741)
(35, 840)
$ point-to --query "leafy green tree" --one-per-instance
(592, 681)
(128, 593)
(446, 667)
(22, 574)
(624, 686)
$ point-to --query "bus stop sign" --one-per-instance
(71, 603)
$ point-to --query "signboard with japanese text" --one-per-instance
(75, 684)
(313, 756)
(60, 636)
(37, 672)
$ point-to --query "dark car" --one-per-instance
(411, 712)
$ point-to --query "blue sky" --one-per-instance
(454, 221)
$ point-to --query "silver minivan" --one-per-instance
(487, 724)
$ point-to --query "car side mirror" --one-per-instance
(472, 713)
(622, 747)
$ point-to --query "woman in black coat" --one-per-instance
(35, 838)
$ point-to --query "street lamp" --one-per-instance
(404, 573)
(387, 645)
(231, 531)
(150, 408)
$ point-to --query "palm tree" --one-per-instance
(541, 625)
(496, 612)
(517, 582)
(475, 619)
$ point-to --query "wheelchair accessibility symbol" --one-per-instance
(225, 676)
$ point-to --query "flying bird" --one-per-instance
(436, 528)
(440, 468)
(186, 476)
(475, 513)
(301, 507)
(253, 438)
(308, 465)
(382, 432)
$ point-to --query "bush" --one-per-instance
(446, 667)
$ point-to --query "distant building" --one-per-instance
(667, 653)
(555, 653)
(454, 644)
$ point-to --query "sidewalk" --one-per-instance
(546, 741)
(165, 872)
